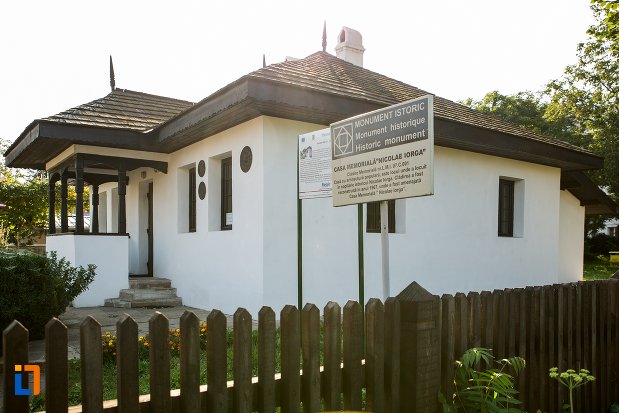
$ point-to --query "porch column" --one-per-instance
(52, 204)
(122, 206)
(79, 195)
(64, 193)
(94, 214)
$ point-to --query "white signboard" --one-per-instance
(385, 154)
(315, 164)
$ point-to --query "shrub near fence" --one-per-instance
(410, 348)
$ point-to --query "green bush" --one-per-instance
(599, 244)
(36, 288)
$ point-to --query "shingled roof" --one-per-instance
(324, 72)
(123, 109)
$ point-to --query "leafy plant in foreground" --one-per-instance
(490, 390)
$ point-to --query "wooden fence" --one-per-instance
(331, 387)
(566, 326)
(398, 362)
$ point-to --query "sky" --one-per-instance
(54, 55)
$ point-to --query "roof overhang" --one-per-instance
(43, 140)
(595, 201)
(249, 98)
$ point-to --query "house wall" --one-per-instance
(212, 268)
(446, 242)
(571, 235)
(280, 143)
(110, 274)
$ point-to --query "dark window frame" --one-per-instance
(506, 208)
(372, 221)
(191, 210)
(226, 191)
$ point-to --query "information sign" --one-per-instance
(315, 164)
(385, 154)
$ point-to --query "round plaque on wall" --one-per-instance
(201, 168)
(202, 190)
(246, 158)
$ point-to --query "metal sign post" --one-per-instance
(384, 246)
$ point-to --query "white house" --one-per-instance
(205, 194)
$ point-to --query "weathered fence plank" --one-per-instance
(127, 376)
(447, 344)
(242, 363)
(56, 367)
(14, 352)
(159, 356)
(486, 317)
(587, 307)
(522, 337)
(500, 349)
(613, 347)
(190, 362)
(353, 341)
(290, 354)
(602, 294)
(374, 355)
(266, 360)
(310, 318)
(475, 320)
(461, 324)
(595, 367)
(392, 355)
(91, 361)
(561, 312)
(332, 345)
(511, 300)
(216, 362)
(532, 349)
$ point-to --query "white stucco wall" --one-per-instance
(449, 241)
(108, 252)
(213, 268)
(571, 235)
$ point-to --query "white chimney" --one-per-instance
(350, 46)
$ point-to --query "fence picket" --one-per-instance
(353, 341)
(475, 320)
(14, 352)
(374, 355)
(266, 360)
(602, 379)
(502, 326)
(522, 337)
(551, 311)
(91, 361)
(461, 325)
(511, 300)
(562, 328)
(310, 318)
(447, 343)
(216, 362)
(392, 355)
(159, 356)
(333, 375)
(595, 368)
(290, 353)
(190, 362)
(532, 350)
(127, 377)
(613, 347)
(56, 354)
(242, 363)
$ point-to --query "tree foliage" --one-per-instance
(586, 97)
(24, 192)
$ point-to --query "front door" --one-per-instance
(149, 229)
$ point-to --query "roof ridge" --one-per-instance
(121, 90)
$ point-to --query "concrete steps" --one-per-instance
(146, 292)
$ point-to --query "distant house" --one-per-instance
(205, 194)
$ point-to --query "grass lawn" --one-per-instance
(599, 269)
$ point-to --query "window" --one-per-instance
(192, 199)
(226, 194)
(373, 216)
(506, 208)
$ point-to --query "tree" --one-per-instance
(24, 192)
(586, 98)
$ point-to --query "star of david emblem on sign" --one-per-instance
(342, 140)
